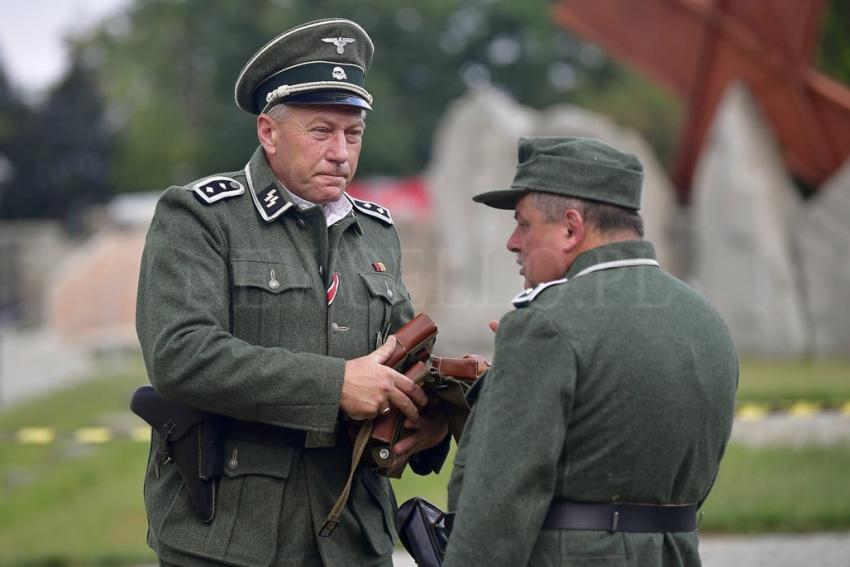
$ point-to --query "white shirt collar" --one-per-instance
(334, 211)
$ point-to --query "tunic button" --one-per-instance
(300, 223)
(390, 293)
(334, 327)
(321, 270)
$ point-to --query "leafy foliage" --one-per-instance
(834, 52)
(58, 152)
(169, 69)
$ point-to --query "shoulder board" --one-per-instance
(372, 209)
(216, 188)
(528, 295)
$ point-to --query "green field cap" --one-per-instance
(584, 168)
(321, 62)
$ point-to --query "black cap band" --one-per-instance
(337, 74)
(328, 98)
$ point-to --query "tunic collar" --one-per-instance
(625, 250)
(272, 199)
(270, 196)
(616, 255)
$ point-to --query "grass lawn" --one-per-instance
(63, 504)
(779, 384)
(780, 489)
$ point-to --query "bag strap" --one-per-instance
(332, 519)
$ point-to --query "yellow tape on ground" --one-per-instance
(35, 435)
(803, 409)
(92, 435)
(142, 434)
(751, 412)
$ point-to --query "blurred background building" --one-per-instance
(739, 111)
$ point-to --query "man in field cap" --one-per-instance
(265, 298)
(598, 431)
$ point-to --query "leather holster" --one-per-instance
(192, 439)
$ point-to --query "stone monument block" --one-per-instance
(743, 201)
(823, 240)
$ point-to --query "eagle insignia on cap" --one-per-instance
(339, 74)
(216, 188)
(340, 42)
(372, 209)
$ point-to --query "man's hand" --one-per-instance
(494, 326)
(369, 387)
(427, 431)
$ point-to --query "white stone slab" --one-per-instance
(823, 240)
(743, 201)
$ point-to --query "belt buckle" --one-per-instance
(615, 521)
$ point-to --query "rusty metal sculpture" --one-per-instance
(697, 47)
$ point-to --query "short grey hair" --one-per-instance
(605, 217)
(278, 112)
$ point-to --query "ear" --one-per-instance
(267, 133)
(575, 230)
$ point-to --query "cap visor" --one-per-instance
(505, 199)
(329, 98)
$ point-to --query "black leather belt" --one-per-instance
(266, 433)
(620, 517)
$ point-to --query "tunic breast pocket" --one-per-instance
(382, 294)
(271, 303)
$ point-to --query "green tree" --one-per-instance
(58, 152)
(13, 114)
(834, 53)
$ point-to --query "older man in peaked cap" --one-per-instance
(265, 297)
(598, 431)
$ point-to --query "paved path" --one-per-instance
(778, 550)
(782, 429)
(35, 363)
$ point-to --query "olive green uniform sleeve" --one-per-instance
(184, 320)
(511, 468)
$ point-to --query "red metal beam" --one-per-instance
(697, 47)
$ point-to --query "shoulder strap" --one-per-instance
(373, 210)
(216, 188)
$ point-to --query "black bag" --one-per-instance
(192, 439)
(424, 531)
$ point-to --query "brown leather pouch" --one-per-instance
(447, 379)
(388, 429)
(466, 369)
(414, 342)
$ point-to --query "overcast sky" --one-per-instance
(31, 33)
